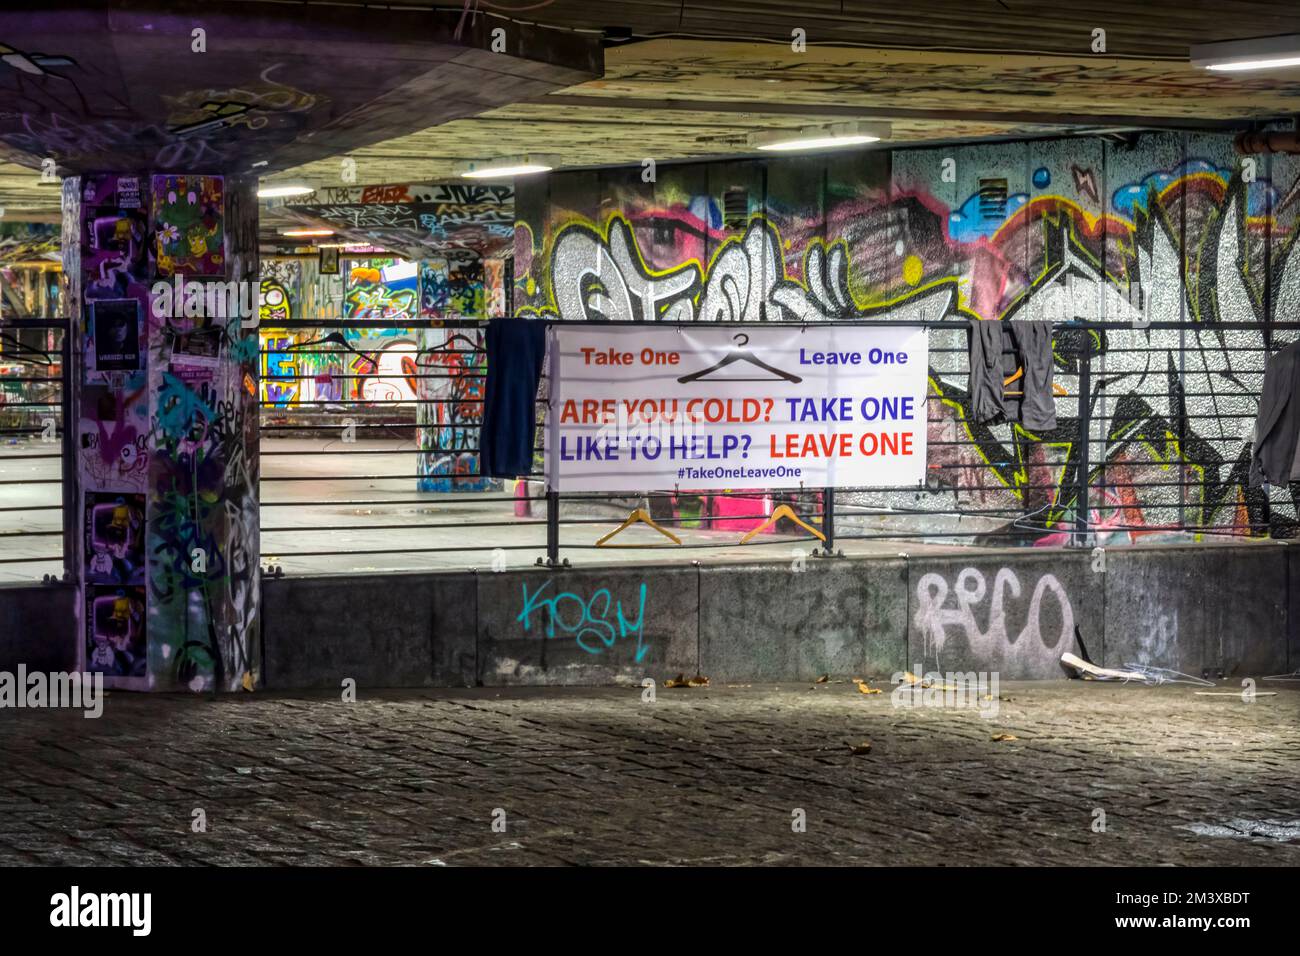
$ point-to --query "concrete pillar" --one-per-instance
(166, 442)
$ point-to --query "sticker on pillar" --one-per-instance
(114, 529)
(129, 192)
(114, 332)
(198, 347)
(115, 631)
(189, 225)
(114, 251)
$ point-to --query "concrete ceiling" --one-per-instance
(691, 79)
(129, 85)
(670, 99)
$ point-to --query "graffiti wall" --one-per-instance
(1158, 228)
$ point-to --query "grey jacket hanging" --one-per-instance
(1276, 442)
(997, 350)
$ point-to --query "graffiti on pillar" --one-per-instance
(1167, 228)
(189, 225)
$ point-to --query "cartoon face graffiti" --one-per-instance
(273, 302)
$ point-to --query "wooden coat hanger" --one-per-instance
(1057, 390)
(642, 516)
(784, 511)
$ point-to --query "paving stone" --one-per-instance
(702, 776)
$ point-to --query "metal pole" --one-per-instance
(67, 460)
(552, 528)
(828, 520)
(1081, 507)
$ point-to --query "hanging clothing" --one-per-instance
(516, 350)
(997, 350)
(1275, 448)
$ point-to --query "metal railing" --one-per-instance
(1138, 453)
(36, 498)
(370, 439)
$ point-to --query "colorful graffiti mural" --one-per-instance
(454, 365)
(381, 289)
(1167, 228)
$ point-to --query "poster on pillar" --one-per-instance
(642, 408)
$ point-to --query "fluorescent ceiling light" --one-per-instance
(490, 172)
(306, 232)
(1239, 56)
(288, 189)
(820, 137)
(506, 166)
(1274, 64)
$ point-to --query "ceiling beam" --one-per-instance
(898, 112)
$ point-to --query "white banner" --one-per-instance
(645, 408)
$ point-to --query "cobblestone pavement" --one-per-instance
(701, 776)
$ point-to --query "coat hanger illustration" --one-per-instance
(642, 516)
(784, 511)
(740, 354)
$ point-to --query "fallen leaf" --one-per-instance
(862, 686)
(699, 680)
(824, 678)
(1005, 737)
(248, 681)
(860, 749)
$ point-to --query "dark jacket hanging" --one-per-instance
(1277, 425)
(997, 350)
(516, 349)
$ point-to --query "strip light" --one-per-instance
(1240, 56)
(819, 137)
(287, 189)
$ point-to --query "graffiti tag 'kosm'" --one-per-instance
(207, 300)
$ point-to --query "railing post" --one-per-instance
(828, 522)
(552, 528)
(67, 449)
(1081, 507)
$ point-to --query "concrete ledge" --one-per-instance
(1199, 609)
(1014, 611)
(38, 627)
(610, 625)
(836, 616)
(382, 630)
